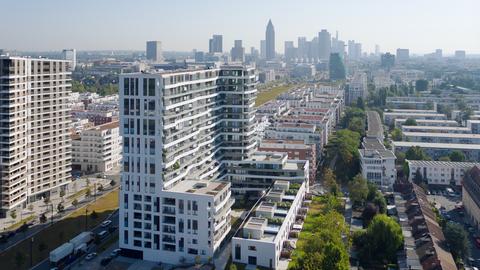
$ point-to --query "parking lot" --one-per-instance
(451, 209)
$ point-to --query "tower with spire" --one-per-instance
(270, 41)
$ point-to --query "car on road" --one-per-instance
(90, 256)
(102, 234)
(106, 223)
(115, 252)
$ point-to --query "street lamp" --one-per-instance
(31, 252)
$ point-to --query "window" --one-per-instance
(126, 86)
(125, 236)
(194, 241)
(151, 87)
(252, 248)
(238, 252)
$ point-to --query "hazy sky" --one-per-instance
(183, 25)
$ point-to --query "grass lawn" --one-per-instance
(270, 94)
(50, 238)
(19, 223)
(77, 194)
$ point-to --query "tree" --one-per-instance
(233, 266)
(358, 189)
(43, 218)
(100, 188)
(94, 215)
(334, 257)
(46, 200)
(416, 153)
(88, 193)
(418, 178)
(62, 194)
(457, 239)
(360, 103)
(13, 214)
(30, 207)
(421, 85)
(19, 259)
(444, 158)
(380, 241)
(75, 203)
(380, 202)
(369, 212)
(357, 124)
(372, 190)
(397, 134)
(456, 155)
(330, 182)
(410, 122)
(198, 260)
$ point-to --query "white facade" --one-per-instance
(439, 172)
(389, 117)
(178, 129)
(34, 134)
(97, 149)
(260, 242)
(377, 163)
(70, 55)
(357, 88)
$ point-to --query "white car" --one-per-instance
(90, 256)
(115, 252)
(106, 223)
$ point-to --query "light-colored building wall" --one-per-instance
(439, 172)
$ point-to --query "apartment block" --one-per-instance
(431, 137)
(437, 150)
(399, 122)
(439, 172)
(34, 130)
(471, 196)
(377, 163)
(97, 149)
(179, 128)
(389, 117)
(263, 240)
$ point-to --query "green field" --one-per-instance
(18, 257)
(270, 94)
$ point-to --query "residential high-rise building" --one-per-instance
(237, 53)
(199, 56)
(178, 128)
(403, 55)
(290, 51)
(336, 67)
(354, 50)
(356, 88)
(377, 50)
(387, 60)
(302, 48)
(338, 46)
(324, 45)
(35, 145)
(70, 55)
(154, 51)
(460, 54)
(270, 41)
(215, 44)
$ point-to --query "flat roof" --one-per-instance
(375, 127)
(438, 145)
(200, 187)
(415, 114)
(449, 164)
(442, 135)
(437, 127)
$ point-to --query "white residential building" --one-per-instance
(427, 122)
(357, 88)
(434, 137)
(35, 154)
(265, 235)
(97, 149)
(389, 117)
(377, 163)
(437, 150)
(439, 172)
(179, 127)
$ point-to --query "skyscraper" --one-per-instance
(354, 50)
(302, 48)
(270, 41)
(176, 139)
(34, 131)
(338, 46)
(263, 49)
(387, 60)
(324, 45)
(215, 44)
(403, 55)
(154, 51)
(377, 50)
(460, 54)
(237, 53)
(70, 55)
(336, 67)
(289, 51)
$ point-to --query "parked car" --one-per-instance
(102, 234)
(106, 223)
(90, 256)
(115, 252)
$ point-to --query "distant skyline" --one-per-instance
(184, 25)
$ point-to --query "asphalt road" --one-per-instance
(45, 264)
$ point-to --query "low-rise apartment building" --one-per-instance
(377, 163)
(97, 149)
(439, 172)
(427, 122)
(432, 137)
(471, 196)
(389, 117)
(437, 150)
(263, 237)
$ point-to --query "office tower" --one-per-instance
(336, 67)
(154, 51)
(270, 41)
(302, 48)
(354, 50)
(215, 44)
(199, 56)
(387, 60)
(324, 45)
(237, 53)
(34, 134)
(263, 49)
(178, 128)
(314, 50)
(377, 50)
(338, 46)
(70, 55)
(403, 55)
(438, 53)
(290, 51)
(460, 54)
